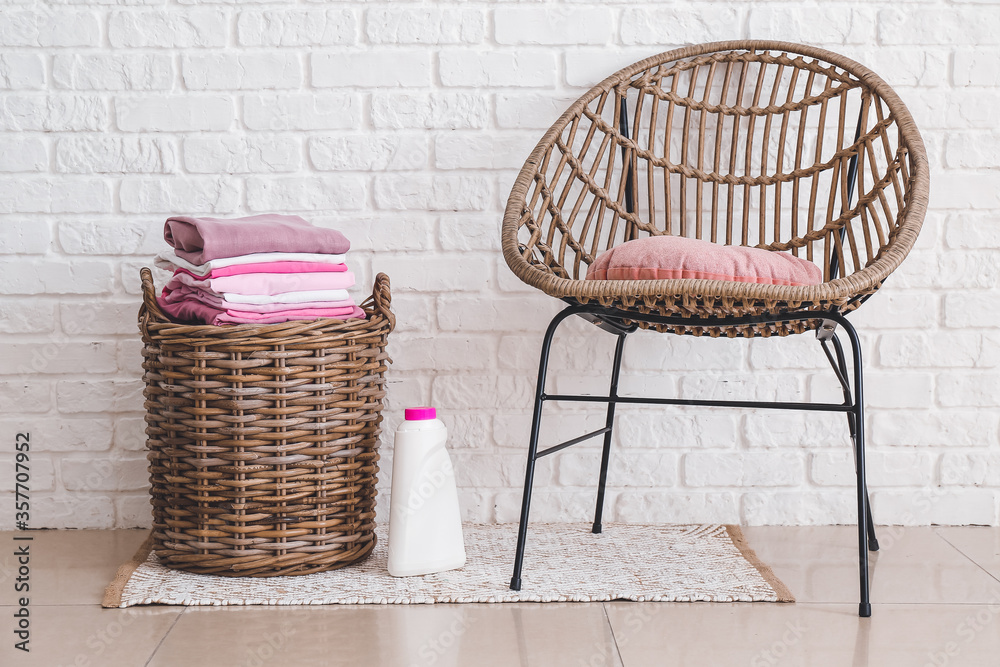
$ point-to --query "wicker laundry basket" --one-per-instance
(263, 439)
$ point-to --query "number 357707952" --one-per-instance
(22, 477)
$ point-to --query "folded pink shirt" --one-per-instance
(266, 283)
(185, 292)
(199, 240)
(169, 261)
(268, 267)
(191, 310)
(344, 313)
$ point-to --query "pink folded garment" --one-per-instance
(196, 312)
(199, 240)
(169, 261)
(672, 257)
(266, 284)
(350, 312)
(185, 292)
(268, 267)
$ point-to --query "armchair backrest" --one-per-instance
(764, 144)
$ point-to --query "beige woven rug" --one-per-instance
(563, 563)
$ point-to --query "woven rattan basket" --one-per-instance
(263, 439)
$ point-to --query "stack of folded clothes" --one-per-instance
(261, 269)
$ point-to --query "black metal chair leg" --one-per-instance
(606, 454)
(872, 539)
(864, 607)
(529, 473)
(852, 426)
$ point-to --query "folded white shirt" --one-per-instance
(266, 283)
(288, 297)
(169, 260)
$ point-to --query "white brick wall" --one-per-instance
(404, 124)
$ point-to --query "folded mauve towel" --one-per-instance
(199, 240)
(184, 293)
(266, 283)
(170, 261)
(195, 311)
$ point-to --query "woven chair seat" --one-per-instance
(760, 144)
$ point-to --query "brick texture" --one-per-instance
(405, 124)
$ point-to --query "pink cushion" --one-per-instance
(671, 257)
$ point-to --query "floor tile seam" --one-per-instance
(164, 637)
(876, 603)
(814, 603)
(934, 531)
(967, 556)
(622, 602)
(611, 629)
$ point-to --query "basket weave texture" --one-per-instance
(263, 439)
(744, 143)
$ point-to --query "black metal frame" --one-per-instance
(613, 321)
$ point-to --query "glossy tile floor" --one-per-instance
(936, 593)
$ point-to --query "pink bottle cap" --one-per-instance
(417, 414)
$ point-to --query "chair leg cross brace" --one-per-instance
(853, 406)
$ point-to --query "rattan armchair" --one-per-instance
(749, 143)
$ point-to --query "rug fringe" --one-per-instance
(740, 542)
(113, 592)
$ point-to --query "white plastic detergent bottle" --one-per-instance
(425, 523)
